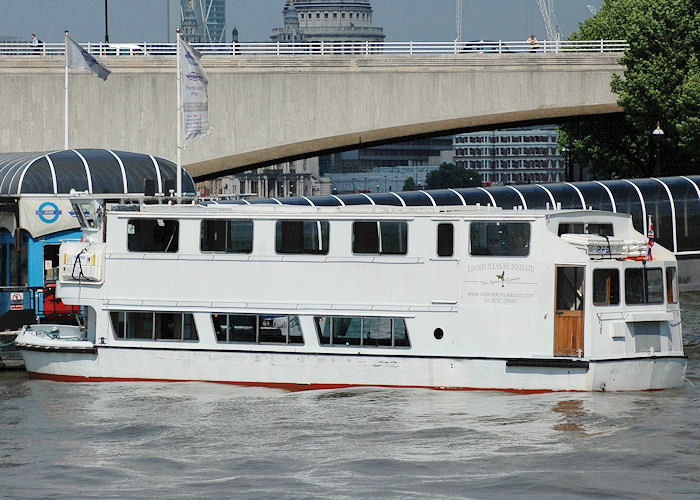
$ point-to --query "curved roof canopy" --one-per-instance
(674, 202)
(100, 171)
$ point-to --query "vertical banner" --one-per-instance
(195, 103)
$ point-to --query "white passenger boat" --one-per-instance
(322, 297)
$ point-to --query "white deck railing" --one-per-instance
(324, 48)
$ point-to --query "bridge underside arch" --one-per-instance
(269, 109)
(242, 162)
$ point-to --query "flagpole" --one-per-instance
(65, 113)
(179, 117)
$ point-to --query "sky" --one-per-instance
(402, 20)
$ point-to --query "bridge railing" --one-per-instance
(325, 48)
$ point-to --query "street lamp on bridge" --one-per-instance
(106, 25)
(568, 167)
(658, 136)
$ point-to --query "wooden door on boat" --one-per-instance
(568, 314)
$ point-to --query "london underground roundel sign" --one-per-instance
(48, 212)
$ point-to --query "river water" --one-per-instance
(116, 440)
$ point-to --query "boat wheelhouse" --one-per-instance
(305, 297)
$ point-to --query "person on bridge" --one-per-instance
(534, 45)
(35, 44)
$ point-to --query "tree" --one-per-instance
(409, 184)
(451, 176)
(661, 83)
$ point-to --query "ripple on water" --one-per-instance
(213, 440)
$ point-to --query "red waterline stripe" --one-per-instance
(283, 385)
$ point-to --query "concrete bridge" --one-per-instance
(267, 109)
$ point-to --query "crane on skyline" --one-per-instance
(550, 19)
(459, 21)
(546, 9)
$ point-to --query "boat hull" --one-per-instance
(303, 371)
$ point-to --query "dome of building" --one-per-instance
(328, 20)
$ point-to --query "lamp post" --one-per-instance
(106, 25)
(658, 136)
(566, 151)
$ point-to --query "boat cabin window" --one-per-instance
(152, 235)
(445, 240)
(361, 331)
(133, 325)
(671, 285)
(570, 288)
(380, 237)
(51, 262)
(644, 286)
(227, 236)
(606, 287)
(302, 236)
(499, 238)
(602, 229)
(257, 329)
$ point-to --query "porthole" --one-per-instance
(438, 333)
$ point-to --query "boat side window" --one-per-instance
(671, 285)
(257, 329)
(602, 229)
(499, 238)
(376, 332)
(133, 325)
(445, 240)
(152, 235)
(365, 237)
(606, 287)
(644, 286)
(302, 236)
(380, 237)
(346, 331)
(361, 331)
(226, 236)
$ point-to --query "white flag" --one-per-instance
(195, 102)
(78, 57)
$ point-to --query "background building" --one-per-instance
(295, 178)
(327, 20)
(432, 151)
(189, 28)
(512, 156)
(210, 15)
(381, 179)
